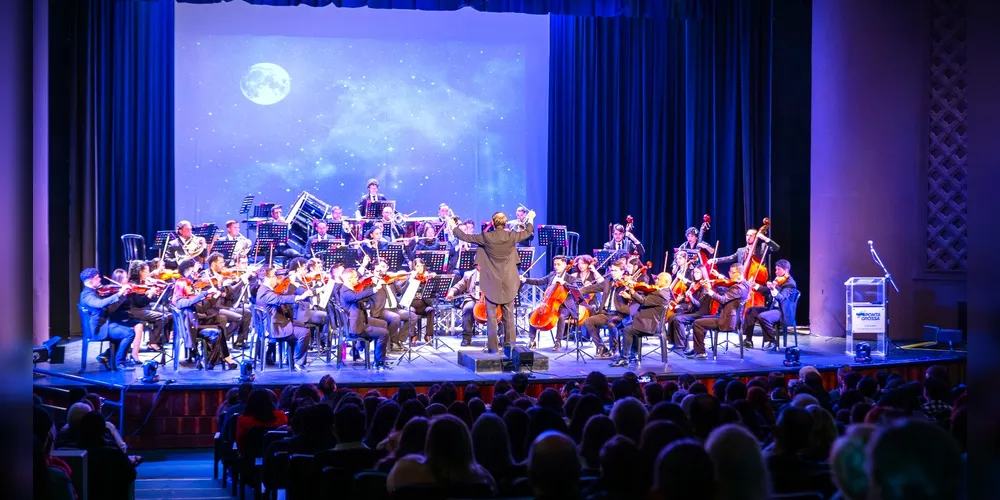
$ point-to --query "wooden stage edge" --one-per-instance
(179, 411)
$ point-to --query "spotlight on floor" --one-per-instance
(863, 352)
(246, 371)
(149, 375)
(792, 356)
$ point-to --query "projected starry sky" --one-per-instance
(274, 116)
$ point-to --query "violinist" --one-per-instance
(141, 306)
(191, 304)
(121, 314)
(286, 330)
(185, 247)
(585, 274)
(227, 304)
(359, 321)
(469, 285)
(303, 312)
(98, 313)
(560, 274)
(769, 317)
(652, 307)
(385, 306)
(692, 246)
(390, 229)
(624, 240)
(681, 266)
(728, 314)
(696, 304)
(422, 308)
(611, 309)
(372, 196)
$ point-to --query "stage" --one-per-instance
(442, 364)
(179, 411)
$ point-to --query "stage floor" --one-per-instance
(443, 365)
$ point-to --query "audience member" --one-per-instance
(758, 400)
(655, 437)
(259, 412)
(327, 386)
(492, 450)
(598, 430)
(517, 423)
(669, 388)
(412, 440)
(629, 416)
(471, 392)
(936, 392)
(824, 433)
(553, 467)
(476, 407)
(110, 474)
(461, 410)
(51, 475)
(349, 427)
(740, 472)
(849, 462)
(552, 401)
(500, 404)
(620, 478)
(382, 423)
(914, 460)
(705, 415)
(97, 403)
(588, 406)
(792, 470)
(448, 460)
(653, 392)
(736, 391)
(859, 412)
(684, 471)
(435, 409)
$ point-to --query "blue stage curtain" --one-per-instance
(664, 119)
(601, 8)
(128, 122)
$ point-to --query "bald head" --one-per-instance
(553, 465)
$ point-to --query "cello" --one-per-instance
(754, 268)
(479, 310)
(546, 316)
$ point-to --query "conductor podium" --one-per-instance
(867, 314)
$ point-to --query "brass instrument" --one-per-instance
(194, 247)
(242, 248)
(400, 218)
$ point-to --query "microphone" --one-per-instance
(869, 242)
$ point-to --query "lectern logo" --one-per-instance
(868, 320)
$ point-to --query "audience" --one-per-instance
(743, 440)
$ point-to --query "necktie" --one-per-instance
(618, 245)
(391, 299)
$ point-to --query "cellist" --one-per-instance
(558, 275)
(469, 285)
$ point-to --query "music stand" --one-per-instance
(467, 259)
(525, 256)
(262, 211)
(335, 229)
(601, 256)
(374, 208)
(342, 254)
(160, 240)
(265, 247)
(393, 256)
(319, 247)
(442, 235)
(225, 247)
(245, 205)
(436, 288)
(552, 235)
(433, 259)
(207, 231)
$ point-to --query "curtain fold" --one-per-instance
(128, 126)
(664, 119)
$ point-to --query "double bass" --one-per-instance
(546, 316)
(706, 224)
(754, 268)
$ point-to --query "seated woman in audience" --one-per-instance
(259, 412)
(598, 431)
(849, 461)
(448, 460)
(411, 441)
(51, 475)
(740, 473)
(491, 447)
(109, 473)
(683, 472)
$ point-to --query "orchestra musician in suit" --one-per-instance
(385, 306)
(98, 314)
(227, 304)
(322, 230)
(375, 243)
(611, 309)
(186, 246)
(390, 229)
(729, 304)
(305, 314)
(288, 249)
(198, 315)
(429, 240)
(285, 329)
(569, 309)
(498, 258)
(469, 284)
(624, 240)
(358, 320)
(769, 316)
(696, 305)
(372, 196)
(337, 217)
(739, 257)
(692, 246)
(121, 314)
(518, 225)
(422, 308)
(651, 308)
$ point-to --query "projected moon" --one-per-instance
(265, 83)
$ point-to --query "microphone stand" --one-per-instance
(885, 298)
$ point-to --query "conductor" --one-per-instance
(499, 279)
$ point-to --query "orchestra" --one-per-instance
(614, 301)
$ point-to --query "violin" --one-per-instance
(168, 274)
(780, 280)
(424, 276)
(282, 286)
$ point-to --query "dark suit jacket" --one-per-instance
(605, 288)
(363, 204)
(271, 301)
(314, 238)
(571, 301)
(97, 309)
(627, 246)
(354, 303)
(497, 258)
(467, 284)
(380, 301)
(730, 303)
(651, 307)
(780, 301)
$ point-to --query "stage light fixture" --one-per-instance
(149, 375)
(792, 356)
(246, 371)
(49, 352)
(863, 352)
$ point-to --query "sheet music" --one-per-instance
(325, 293)
(409, 294)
